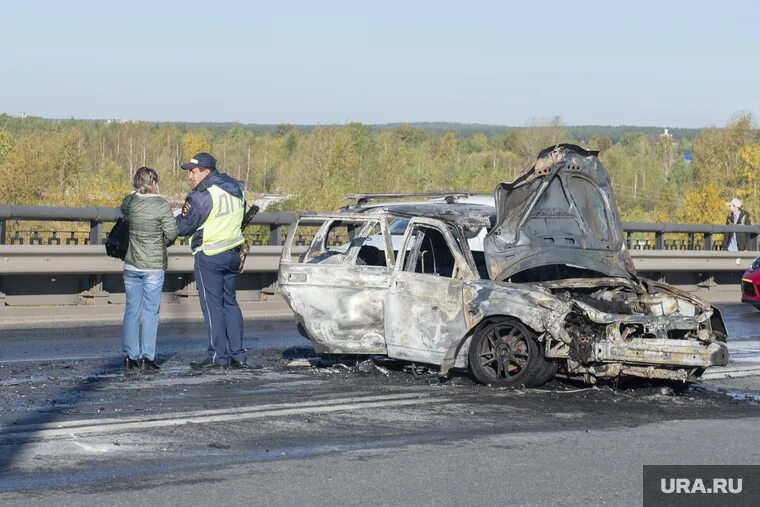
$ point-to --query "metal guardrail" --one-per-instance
(61, 271)
(91, 260)
(691, 260)
(697, 236)
(36, 273)
(97, 216)
(42, 276)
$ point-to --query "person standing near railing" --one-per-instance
(212, 214)
(152, 229)
(736, 216)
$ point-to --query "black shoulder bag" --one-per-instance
(117, 242)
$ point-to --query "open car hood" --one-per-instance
(558, 220)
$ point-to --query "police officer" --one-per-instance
(212, 214)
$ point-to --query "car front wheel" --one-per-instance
(504, 353)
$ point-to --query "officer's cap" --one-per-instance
(202, 160)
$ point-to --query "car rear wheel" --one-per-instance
(504, 353)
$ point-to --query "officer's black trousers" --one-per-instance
(216, 279)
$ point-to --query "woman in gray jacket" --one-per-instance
(152, 228)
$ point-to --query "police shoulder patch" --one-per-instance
(186, 208)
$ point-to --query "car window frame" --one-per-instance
(324, 221)
(463, 270)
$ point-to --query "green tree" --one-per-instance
(476, 143)
(103, 187)
(637, 177)
(283, 130)
(409, 134)
(600, 143)
(193, 143)
(749, 175)
(717, 151)
(665, 150)
(6, 144)
(41, 169)
(702, 205)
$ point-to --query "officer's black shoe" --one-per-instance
(149, 366)
(239, 365)
(131, 365)
(207, 364)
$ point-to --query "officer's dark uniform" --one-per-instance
(212, 214)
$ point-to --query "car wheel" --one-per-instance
(504, 353)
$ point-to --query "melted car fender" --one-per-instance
(536, 308)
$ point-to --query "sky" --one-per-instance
(649, 63)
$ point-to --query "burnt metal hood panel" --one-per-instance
(560, 211)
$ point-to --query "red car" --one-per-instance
(751, 284)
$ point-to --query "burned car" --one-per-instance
(554, 288)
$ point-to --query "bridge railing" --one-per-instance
(50, 265)
(44, 261)
(269, 229)
(670, 236)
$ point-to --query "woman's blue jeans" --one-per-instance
(141, 313)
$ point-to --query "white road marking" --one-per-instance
(743, 361)
(731, 371)
(105, 355)
(71, 428)
(89, 448)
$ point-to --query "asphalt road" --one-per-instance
(75, 431)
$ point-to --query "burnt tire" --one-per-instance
(504, 353)
(545, 371)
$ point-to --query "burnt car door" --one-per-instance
(337, 286)
(558, 220)
(424, 310)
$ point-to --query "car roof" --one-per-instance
(464, 214)
(364, 201)
(460, 208)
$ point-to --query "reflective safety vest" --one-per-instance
(221, 230)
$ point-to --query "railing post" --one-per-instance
(2, 294)
(96, 229)
(659, 240)
(189, 291)
(2, 232)
(95, 295)
(274, 234)
(708, 241)
(707, 280)
(752, 241)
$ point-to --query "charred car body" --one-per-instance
(553, 289)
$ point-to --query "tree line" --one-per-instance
(90, 163)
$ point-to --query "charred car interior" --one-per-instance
(536, 283)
